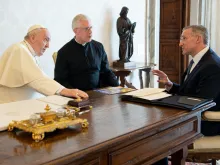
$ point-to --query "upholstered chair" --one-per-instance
(54, 57)
(207, 148)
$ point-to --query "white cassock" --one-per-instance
(20, 76)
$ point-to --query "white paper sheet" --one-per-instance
(55, 99)
(145, 92)
(149, 93)
(21, 110)
(156, 96)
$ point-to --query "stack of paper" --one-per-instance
(149, 93)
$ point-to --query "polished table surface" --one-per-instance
(119, 133)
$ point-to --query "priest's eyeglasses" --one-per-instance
(86, 28)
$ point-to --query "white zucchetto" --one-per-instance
(34, 27)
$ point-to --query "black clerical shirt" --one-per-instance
(83, 67)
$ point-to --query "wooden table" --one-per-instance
(121, 74)
(119, 133)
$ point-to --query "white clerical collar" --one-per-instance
(30, 48)
(199, 55)
(79, 43)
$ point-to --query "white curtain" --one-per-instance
(152, 22)
(207, 14)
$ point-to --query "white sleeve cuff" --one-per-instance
(59, 90)
(168, 87)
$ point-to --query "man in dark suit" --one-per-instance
(202, 77)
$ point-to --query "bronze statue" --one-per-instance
(125, 31)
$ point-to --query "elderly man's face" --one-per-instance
(188, 42)
(41, 42)
(83, 32)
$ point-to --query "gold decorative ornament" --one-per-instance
(48, 122)
(47, 108)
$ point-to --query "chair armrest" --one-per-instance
(211, 116)
(54, 57)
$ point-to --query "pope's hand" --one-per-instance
(76, 93)
(163, 78)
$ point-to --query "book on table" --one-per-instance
(158, 96)
(114, 90)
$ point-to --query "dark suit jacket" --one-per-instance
(203, 81)
(83, 67)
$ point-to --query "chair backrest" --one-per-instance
(54, 57)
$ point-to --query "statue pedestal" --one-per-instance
(124, 64)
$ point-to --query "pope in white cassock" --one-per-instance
(20, 76)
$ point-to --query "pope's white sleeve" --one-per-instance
(46, 86)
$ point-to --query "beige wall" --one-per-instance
(17, 15)
(206, 12)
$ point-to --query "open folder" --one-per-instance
(158, 96)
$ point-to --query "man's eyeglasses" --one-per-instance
(85, 28)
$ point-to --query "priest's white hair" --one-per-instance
(77, 19)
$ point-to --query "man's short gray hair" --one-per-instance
(77, 19)
(199, 30)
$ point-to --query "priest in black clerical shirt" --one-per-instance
(82, 62)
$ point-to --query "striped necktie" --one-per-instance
(189, 68)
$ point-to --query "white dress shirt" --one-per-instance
(198, 57)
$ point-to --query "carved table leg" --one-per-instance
(179, 157)
(122, 80)
(121, 75)
(129, 85)
(140, 78)
(147, 71)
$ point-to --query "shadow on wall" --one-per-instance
(107, 34)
